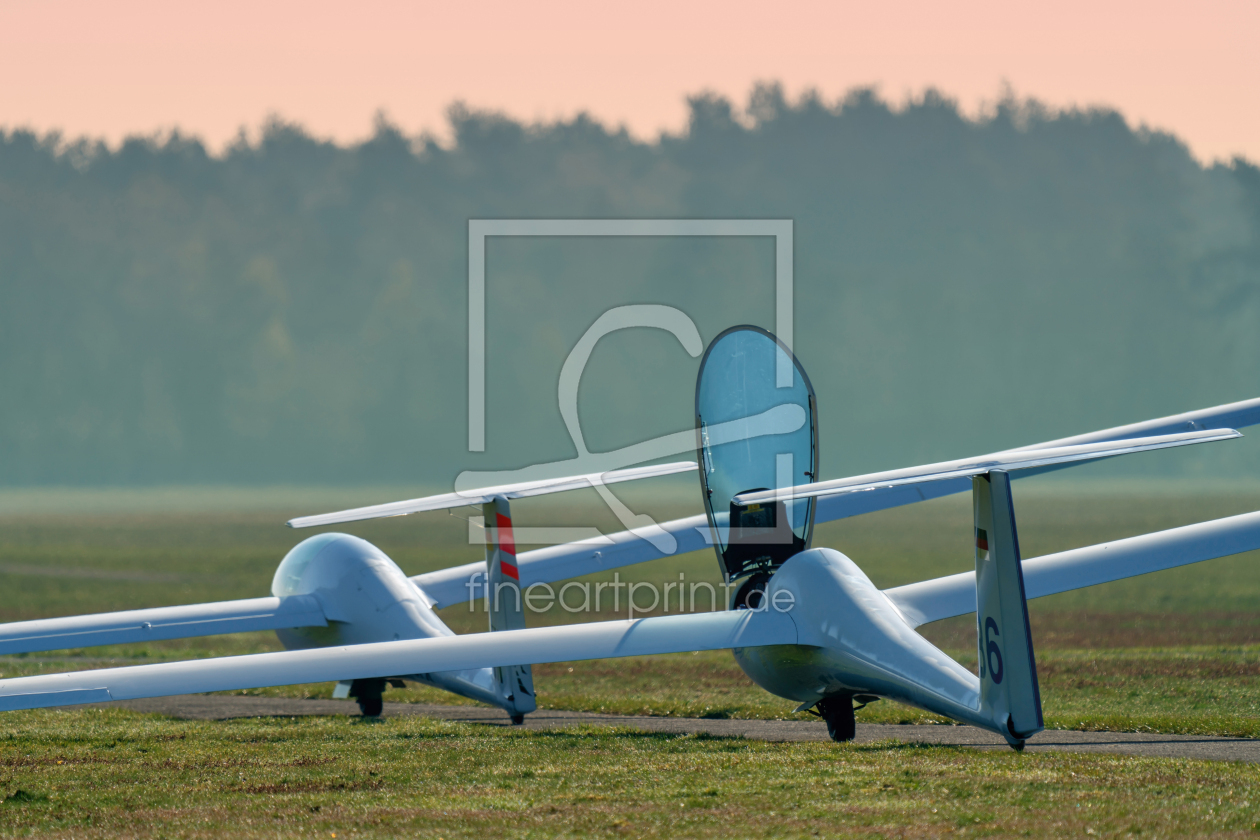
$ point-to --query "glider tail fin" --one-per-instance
(515, 683)
(1009, 695)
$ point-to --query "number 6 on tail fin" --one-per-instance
(1009, 695)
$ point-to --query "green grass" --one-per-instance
(1174, 652)
(114, 773)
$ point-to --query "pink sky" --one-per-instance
(136, 66)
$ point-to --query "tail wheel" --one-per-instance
(837, 710)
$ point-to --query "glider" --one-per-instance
(805, 623)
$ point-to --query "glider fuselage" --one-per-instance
(853, 641)
(367, 599)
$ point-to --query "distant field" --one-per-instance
(1177, 651)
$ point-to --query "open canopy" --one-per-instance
(745, 374)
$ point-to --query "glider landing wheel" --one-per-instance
(367, 693)
(838, 712)
(517, 720)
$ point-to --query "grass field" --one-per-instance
(110, 774)
(1178, 651)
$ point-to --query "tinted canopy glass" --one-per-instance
(754, 435)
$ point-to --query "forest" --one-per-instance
(289, 310)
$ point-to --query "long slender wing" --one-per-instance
(1236, 415)
(945, 597)
(161, 623)
(625, 548)
(1021, 459)
(1229, 416)
(599, 640)
(554, 563)
(559, 562)
(849, 497)
(482, 495)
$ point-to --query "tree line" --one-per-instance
(293, 310)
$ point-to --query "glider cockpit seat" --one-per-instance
(759, 541)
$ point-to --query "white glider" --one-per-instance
(805, 623)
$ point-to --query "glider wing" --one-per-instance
(1230, 416)
(626, 548)
(836, 500)
(485, 494)
(161, 623)
(598, 640)
(945, 597)
(1021, 459)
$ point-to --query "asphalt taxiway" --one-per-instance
(223, 707)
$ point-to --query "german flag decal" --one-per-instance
(982, 539)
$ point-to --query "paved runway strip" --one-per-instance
(220, 707)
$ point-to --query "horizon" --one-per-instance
(252, 135)
(138, 67)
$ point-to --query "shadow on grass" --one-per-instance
(23, 797)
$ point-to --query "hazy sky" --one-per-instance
(128, 66)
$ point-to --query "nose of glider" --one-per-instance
(363, 593)
(321, 562)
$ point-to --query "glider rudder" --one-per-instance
(1009, 695)
(515, 683)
